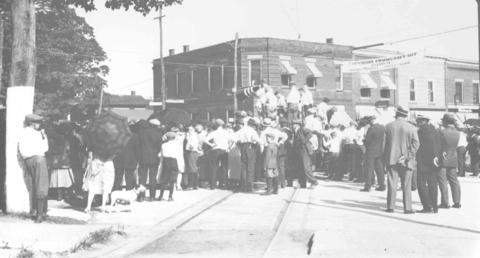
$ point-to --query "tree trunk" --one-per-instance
(1, 49)
(19, 100)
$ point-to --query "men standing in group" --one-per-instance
(449, 138)
(218, 140)
(301, 138)
(427, 165)
(150, 140)
(293, 102)
(373, 154)
(401, 145)
(248, 138)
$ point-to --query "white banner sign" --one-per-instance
(382, 63)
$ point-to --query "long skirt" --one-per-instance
(235, 163)
(62, 177)
(191, 162)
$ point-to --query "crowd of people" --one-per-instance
(288, 140)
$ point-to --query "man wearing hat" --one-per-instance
(373, 154)
(32, 145)
(428, 156)
(449, 138)
(279, 136)
(306, 99)
(323, 108)
(293, 102)
(401, 145)
(150, 139)
(283, 150)
(248, 138)
(301, 138)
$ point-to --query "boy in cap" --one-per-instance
(170, 166)
(270, 164)
(32, 145)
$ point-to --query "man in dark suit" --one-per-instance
(401, 145)
(428, 157)
(373, 154)
(301, 137)
(449, 138)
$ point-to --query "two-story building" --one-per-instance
(202, 80)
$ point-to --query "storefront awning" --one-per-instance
(288, 67)
(314, 70)
(367, 81)
(387, 82)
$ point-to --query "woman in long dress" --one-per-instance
(61, 177)
(99, 179)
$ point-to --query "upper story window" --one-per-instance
(412, 89)
(475, 92)
(314, 74)
(338, 77)
(458, 91)
(255, 72)
(385, 93)
(431, 93)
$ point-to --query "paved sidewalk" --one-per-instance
(345, 222)
(59, 238)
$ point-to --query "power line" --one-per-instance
(431, 35)
(288, 16)
(125, 87)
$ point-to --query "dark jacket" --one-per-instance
(429, 148)
(374, 141)
(449, 138)
(130, 155)
(301, 138)
(150, 143)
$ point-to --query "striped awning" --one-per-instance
(288, 67)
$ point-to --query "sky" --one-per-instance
(132, 41)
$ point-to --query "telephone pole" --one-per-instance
(235, 75)
(478, 16)
(162, 66)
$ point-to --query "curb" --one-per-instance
(164, 227)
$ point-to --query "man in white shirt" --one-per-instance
(249, 139)
(306, 99)
(349, 139)
(293, 102)
(333, 142)
(32, 145)
(218, 140)
(281, 103)
(461, 151)
(279, 136)
(359, 155)
(322, 109)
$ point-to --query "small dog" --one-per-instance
(129, 196)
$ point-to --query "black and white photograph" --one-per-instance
(239, 128)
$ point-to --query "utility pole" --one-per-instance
(478, 16)
(162, 66)
(235, 104)
(101, 101)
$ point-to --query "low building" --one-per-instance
(133, 106)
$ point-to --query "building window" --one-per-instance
(216, 78)
(209, 116)
(177, 86)
(286, 79)
(194, 117)
(192, 82)
(458, 92)
(365, 92)
(209, 79)
(385, 93)
(255, 72)
(311, 82)
(412, 89)
(475, 93)
(431, 97)
(338, 77)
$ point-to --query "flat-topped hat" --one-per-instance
(326, 100)
(171, 135)
(219, 122)
(292, 83)
(422, 117)
(448, 118)
(402, 110)
(267, 122)
(33, 118)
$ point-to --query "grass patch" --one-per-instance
(100, 236)
(25, 252)
(24, 216)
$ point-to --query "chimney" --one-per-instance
(186, 48)
(329, 40)
(171, 52)
(133, 93)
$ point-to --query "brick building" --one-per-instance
(202, 79)
(462, 78)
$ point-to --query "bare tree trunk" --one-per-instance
(19, 100)
(1, 48)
